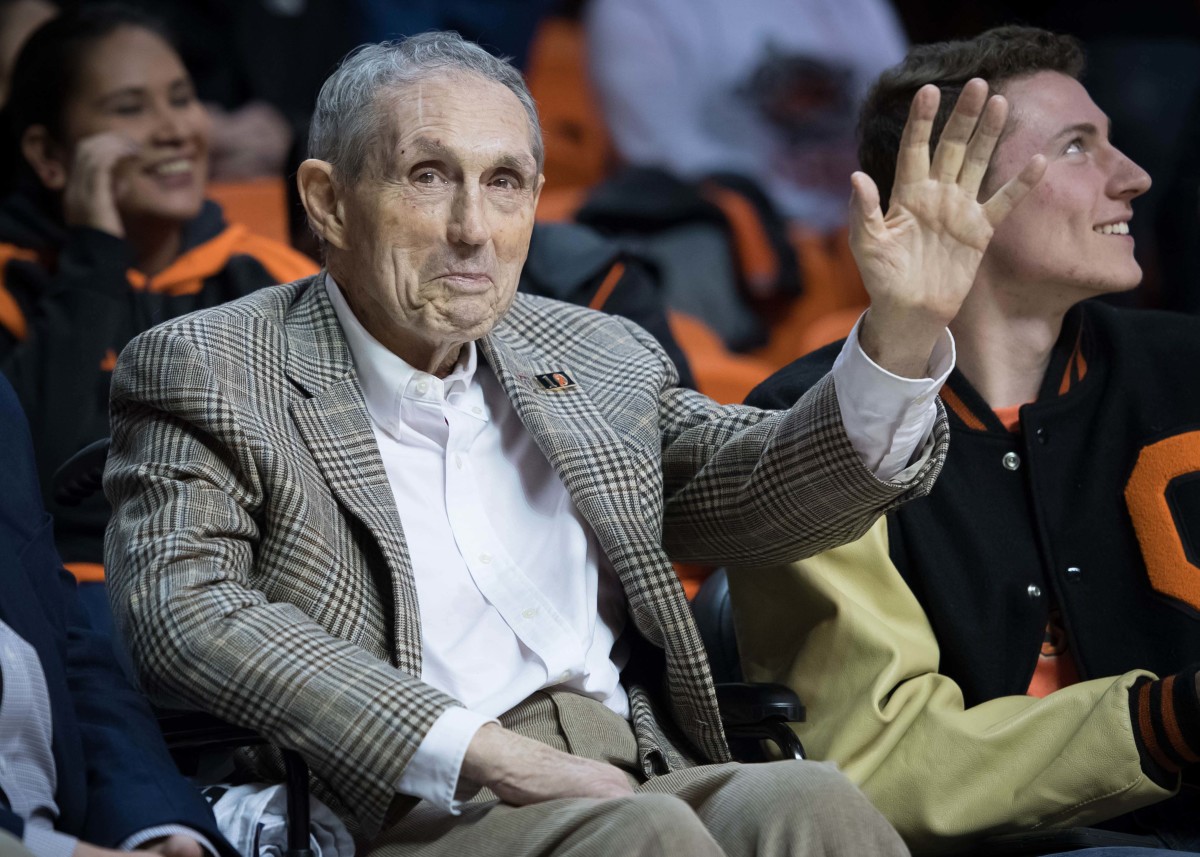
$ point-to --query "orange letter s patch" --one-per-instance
(1171, 571)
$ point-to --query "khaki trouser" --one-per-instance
(777, 808)
(10, 846)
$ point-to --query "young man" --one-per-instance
(989, 660)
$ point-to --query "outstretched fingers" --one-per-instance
(952, 146)
(866, 216)
(912, 163)
(1006, 199)
(983, 144)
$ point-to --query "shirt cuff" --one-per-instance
(47, 842)
(432, 772)
(888, 418)
(161, 831)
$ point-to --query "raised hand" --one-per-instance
(94, 183)
(919, 260)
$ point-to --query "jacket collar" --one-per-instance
(1068, 367)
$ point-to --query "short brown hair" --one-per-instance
(997, 56)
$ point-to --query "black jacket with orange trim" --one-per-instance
(574, 263)
(1094, 504)
(69, 302)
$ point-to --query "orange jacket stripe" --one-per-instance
(757, 258)
(606, 288)
(1146, 727)
(952, 401)
(1171, 723)
(186, 275)
(281, 261)
(86, 572)
(11, 316)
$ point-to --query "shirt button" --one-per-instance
(1074, 573)
(422, 387)
(566, 674)
(529, 612)
(458, 461)
(920, 400)
(477, 410)
(1011, 461)
(1034, 591)
(485, 558)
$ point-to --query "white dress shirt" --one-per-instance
(515, 594)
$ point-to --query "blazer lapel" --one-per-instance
(595, 464)
(605, 480)
(333, 422)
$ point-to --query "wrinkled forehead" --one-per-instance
(454, 113)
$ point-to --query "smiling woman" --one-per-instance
(105, 230)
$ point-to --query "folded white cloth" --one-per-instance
(253, 817)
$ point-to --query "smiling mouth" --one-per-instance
(1121, 228)
(175, 167)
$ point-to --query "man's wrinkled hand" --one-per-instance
(522, 771)
(919, 260)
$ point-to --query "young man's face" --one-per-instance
(1069, 238)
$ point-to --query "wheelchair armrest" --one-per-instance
(196, 731)
(1039, 842)
(762, 711)
(81, 475)
(744, 703)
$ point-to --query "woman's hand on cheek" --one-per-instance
(94, 183)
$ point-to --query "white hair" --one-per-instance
(347, 122)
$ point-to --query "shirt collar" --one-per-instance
(383, 375)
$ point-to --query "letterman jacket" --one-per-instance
(1094, 505)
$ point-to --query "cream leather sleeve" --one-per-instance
(844, 631)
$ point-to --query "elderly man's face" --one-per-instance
(438, 227)
(1069, 238)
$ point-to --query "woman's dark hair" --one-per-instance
(48, 69)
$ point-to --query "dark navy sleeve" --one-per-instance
(131, 781)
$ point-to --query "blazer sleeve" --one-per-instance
(188, 501)
(845, 631)
(747, 487)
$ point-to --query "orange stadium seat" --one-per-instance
(578, 150)
(259, 204)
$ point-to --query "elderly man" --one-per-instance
(419, 527)
(1026, 639)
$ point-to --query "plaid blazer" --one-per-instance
(257, 563)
